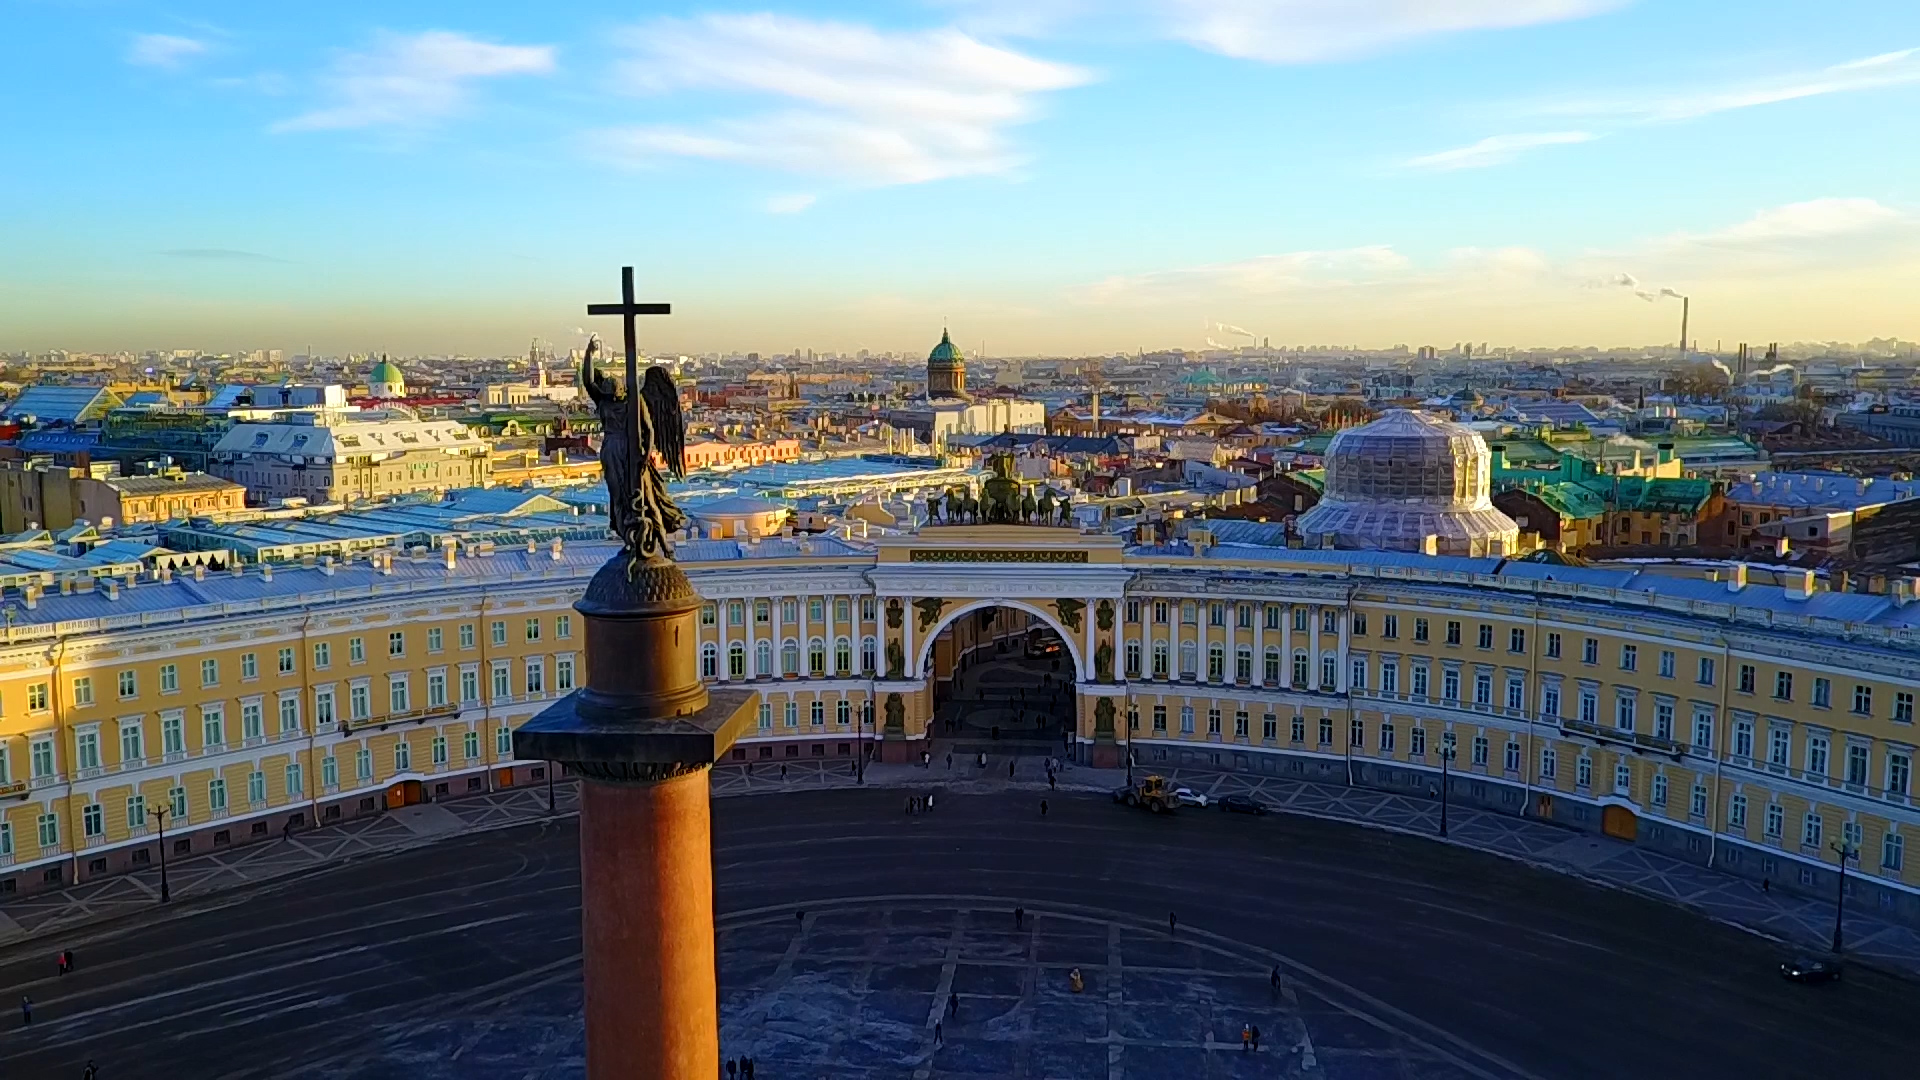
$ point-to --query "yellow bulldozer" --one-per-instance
(1151, 792)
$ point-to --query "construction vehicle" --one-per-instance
(1151, 792)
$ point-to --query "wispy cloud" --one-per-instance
(219, 255)
(1305, 31)
(1496, 150)
(789, 204)
(1885, 70)
(412, 80)
(865, 105)
(168, 52)
(1261, 275)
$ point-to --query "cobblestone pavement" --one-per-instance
(1804, 921)
(861, 989)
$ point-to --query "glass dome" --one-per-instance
(1403, 478)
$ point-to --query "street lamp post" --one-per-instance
(549, 787)
(1846, 850)
(866, 722)
(159, 813)
(1446, 758)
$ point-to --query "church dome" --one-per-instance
(946, 353)
(1405, 477)
(385, 372)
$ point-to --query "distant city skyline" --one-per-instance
(1050, 177)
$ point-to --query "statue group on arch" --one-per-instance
(1003, 500)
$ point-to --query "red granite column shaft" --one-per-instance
(646, 867)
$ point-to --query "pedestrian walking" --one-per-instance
(1765, 884)
(1051, 786)
(1273, 980)
(937, 1037)
(1009, 768)
(746, 1068)
(800, 916)
(909, 804)
(1256, 1038)
(92, 1071)
(1019, 914)
(26, 1010)
(62, 961)
(1246, 1038)
(925, 758)
(783, 770)
(953, 1004)
(983, 759)
(1173, 923)
(733, 1069)
(1043, 808)
(929, 804)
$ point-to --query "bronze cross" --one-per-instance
(628, 311)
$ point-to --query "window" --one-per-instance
(1480, 750)
(253, 724)
(1624, 708)
(136, 812)
(1483, 688)
(1812, 827)
(1213, 721)
(323, 707)
(1893, 849)
(1390, 626)
(843, 712)
(439, 749)
(816, 657)
(1863, 699)
(83, 690)
(1737, 811)
(502, 681)
(497, 631)
(466, 635)
(249, 666)
(359, 702)
(1133, 660)
(533, 629)
(436, 641)
(1131, 612)
(1297, 729)
(1817, 755)
(128, 685)
(1417, 741)
(363, 763)
(1589, 707)
(707, 617)
(1743, 738)
(1622, 778)
(1899, 773)
(1216, 662)
(1190, 614)
(87, 747)
(217, 794)
(1160, 718)
(1486, 636)
(503, 736)
(563, 627)
(402, 756)
(1822, 693)
(1186, 719)
(1420, 629)
(1357, 674)
(1776, 822)
(793, 714)
(397, 694)
(843, 656)
(1590, 651)
(1629, 658)
(1516, 640)
(1550, 700)
(93, 821)
(1270, 727)
(1159, 659)
(396, 643)
(1748, 677)
(1453, 631)
(1160, 612)
(213, 727)
(1663, 720)
(1702, 730)
(1666, 663)
(1548, 762)
(173, 736)
(1216, 614)
(37, 692)
(1698, 808)
(536, 675)
(1329, 671)
(49, 831)
(1419, 686)
(436, 689)
(1299, 669)
(1189, 659)
(296, 780)
(1783, 686)
(1300, 619)
(469, 685)
(322, 656)
(470, 743)
(1553, 646)
(1329, 622)
(6, 840)
(709, 661)
(1777, 744)
(1243, 664)
(1389, 677)
(1359, 624)
(1512, 760)
(1326, 731)
(1705, 676)
(1272, 616)
(256, 787)
(870, 652)
(1583, 771)
(356, 651)
(1516, 693)
(1903, 707)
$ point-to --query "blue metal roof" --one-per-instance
(51, 404)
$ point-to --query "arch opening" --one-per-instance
(1002, 677)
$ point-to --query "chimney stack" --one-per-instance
(1737, 577)
(1799, 584)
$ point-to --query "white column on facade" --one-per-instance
(909, 665)
(832, 660)
(1341, 672)
(806, 629)
(778, 631)
(1086, 663)
(1259, 644)
(1313, 647)
(722, 609)
(1286, 644)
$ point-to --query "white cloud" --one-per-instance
(1262, 275)
(1496, 150)
(858, 103)
(1813, 220)
(411, 80)
(789, 204)
(1305, 31)
(166, 51)
(1869, 73)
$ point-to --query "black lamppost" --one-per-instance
(1846, 850)
(866, 722)
(1446, 758)
(549, 787)
(159, 813)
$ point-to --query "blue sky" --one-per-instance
(1047, 175)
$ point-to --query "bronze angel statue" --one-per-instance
(639, 509)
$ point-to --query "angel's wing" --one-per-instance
(662, 399)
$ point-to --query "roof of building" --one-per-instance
(1658, 495)
(384, 372)
(1569, 500)
(1821, 491)
(61, 404)
(946, 353)
(169, 483)
(324, 436)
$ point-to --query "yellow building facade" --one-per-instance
(1748, 727)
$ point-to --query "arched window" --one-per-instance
(816, 657)
(736, 661)
(789, 657)
(709, 661)
(1243, 664)
(1189, 659)
(843, 656)
(1329, 671)
(763, 659)
(1300, 670)
(1272, 675)
(867, 656)
(1159, 659)
(1216, 662)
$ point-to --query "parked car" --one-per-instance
(1243, 804)
(1810, 969)
(1189, 797)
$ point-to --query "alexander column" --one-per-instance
(641, 736)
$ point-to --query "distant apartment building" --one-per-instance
(36, 493)
(328, 456)
(1821, 508)
(723, 453)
